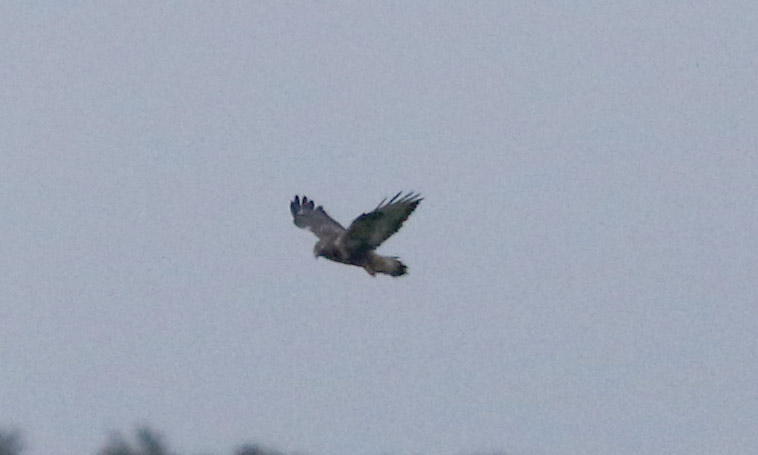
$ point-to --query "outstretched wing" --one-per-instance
(314, 219)
(369, 230)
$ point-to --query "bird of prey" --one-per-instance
(356, 244)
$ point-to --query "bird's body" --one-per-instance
(356, 244)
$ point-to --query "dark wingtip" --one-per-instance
(295, 205)
(400, 271)
(298, 205)
(410, 197)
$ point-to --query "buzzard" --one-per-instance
(356, 244)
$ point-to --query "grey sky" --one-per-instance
(582, 270)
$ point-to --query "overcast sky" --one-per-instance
(582, 269)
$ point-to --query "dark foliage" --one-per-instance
(253, 449)
(147, 442)
(10, 442)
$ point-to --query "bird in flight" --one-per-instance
(356, 244)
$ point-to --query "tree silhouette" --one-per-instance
(254, 449)
(148, 442)
(10, 442)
